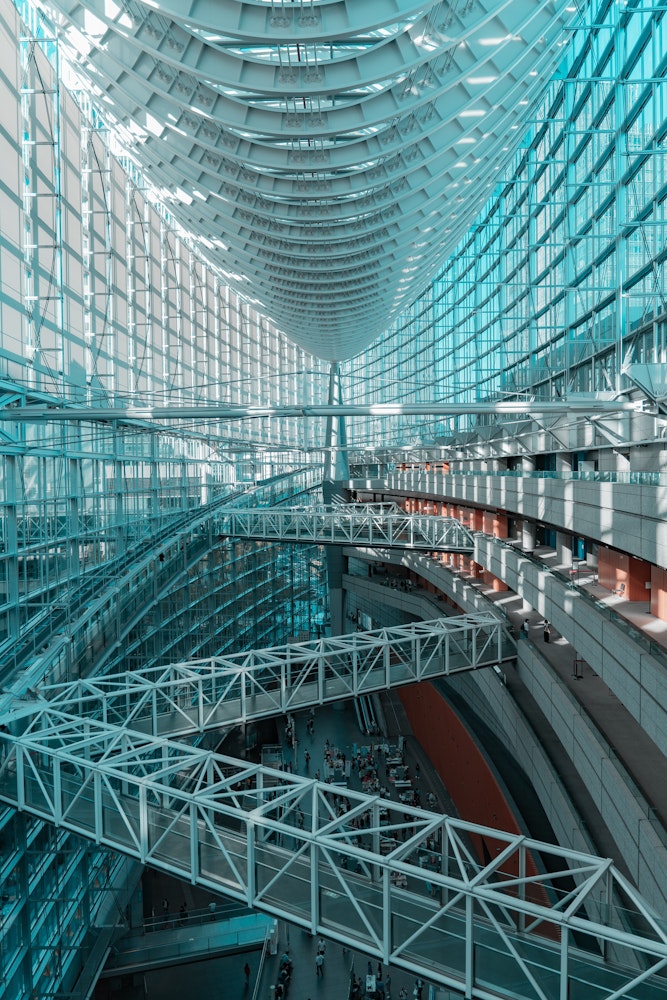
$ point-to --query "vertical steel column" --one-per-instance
(336, 471)
(42, 209)
(564, 988)
(119, 513)
(621, 165)
(469, 945)
(11, 542)
(73, 490)
(314, 864)
(98, 299)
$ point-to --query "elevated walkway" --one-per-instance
(187, 938)
(347, 524)
(396, 881)
(225, 691)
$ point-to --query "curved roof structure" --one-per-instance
(332, 151)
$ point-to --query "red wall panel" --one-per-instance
(469, 779)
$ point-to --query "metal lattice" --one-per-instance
(398, 882)
(224, 691)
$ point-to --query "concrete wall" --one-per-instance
(627, 517)
(622, 808)
(626, 813)
(635, 676)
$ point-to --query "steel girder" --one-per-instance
(530, 408)
(225, 691)
(337, 150)
(347, 525)
(398, 882)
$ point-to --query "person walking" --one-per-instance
(319, 964)
(246, 973)
(547, 631)
(285, 960)
(524, 628)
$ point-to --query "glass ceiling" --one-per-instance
(329, 137)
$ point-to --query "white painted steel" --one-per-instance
(331, 154)
(334, 861)
(347, 524)
(225, 691)
(573, 405)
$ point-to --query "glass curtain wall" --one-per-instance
(105, 300)
(560, 282)
(106, 557)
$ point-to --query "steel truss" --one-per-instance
(398, 882)
(347, 525)
(224, 691)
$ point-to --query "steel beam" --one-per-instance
(225, 691)
(335, 860)
(528, 407)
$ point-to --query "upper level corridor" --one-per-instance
(619, 511)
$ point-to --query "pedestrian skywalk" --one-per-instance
(224, 691)
(347, 524)
(395, 881)
(97, 757)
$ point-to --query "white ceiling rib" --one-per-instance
(337, 150)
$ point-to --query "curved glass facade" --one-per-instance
(560, 282)
(106, 301)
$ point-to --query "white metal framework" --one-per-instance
(224, 691)
(331, 152)
(399, 882)
(347, 525)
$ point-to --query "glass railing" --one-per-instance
(638, 637)
(422, 475)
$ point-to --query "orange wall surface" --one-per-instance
(466, 773)
(457, 759)
(616, 568)
(659, 592)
